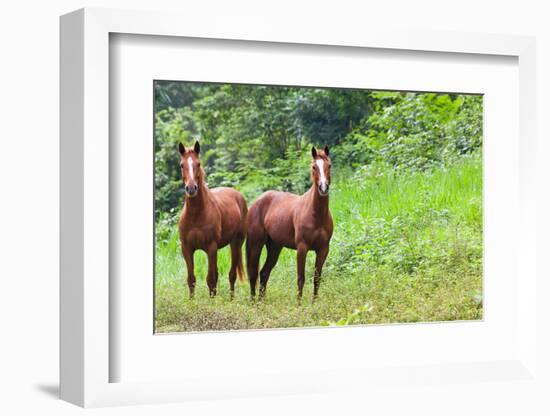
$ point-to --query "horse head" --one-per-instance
(190, 166)
(320, 170)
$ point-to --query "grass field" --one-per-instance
(405, 248)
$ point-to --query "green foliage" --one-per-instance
(407, 222)
(353, 317)
(256, 138)
(171, 127)
(415, 131)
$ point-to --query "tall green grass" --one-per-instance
(407, 247)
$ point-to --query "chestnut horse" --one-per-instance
(281, 219)
(210, 220)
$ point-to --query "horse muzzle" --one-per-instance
(323, 189)
(191, 191)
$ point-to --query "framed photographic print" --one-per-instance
(237, 208)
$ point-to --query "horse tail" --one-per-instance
(240, 272)
(244, 215)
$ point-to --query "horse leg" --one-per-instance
(255, 240)
(253, 252)
(236, 257)
(301, 250)
(212, 277)
(273, 251)
(188, 256)
(319, 261)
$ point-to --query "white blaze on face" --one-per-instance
(190, 164)
(323, 180)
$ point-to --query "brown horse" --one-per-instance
(281, 219)
(210, 220)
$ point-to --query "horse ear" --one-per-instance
(326, 150)
(181, 148)
(313, 152)
(197, 147)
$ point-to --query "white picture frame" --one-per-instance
(85, 181)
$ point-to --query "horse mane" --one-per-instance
(202, 177)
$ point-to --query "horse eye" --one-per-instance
(181, 165)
